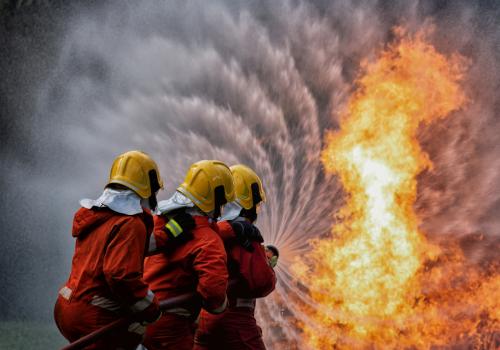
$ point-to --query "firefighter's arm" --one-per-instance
(272, 254)
(169, 232)
(265, 279)
(225, 231)
(123, 268)
(239, 230)
(210, 265)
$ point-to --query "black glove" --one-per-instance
(179, 227)
(246, 233)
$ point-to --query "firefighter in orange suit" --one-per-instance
(248, 265)
(106, 280)
(195, 262)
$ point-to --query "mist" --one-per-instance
(253, 82)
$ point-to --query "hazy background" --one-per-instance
(256, 82)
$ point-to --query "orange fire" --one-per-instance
(376, 282)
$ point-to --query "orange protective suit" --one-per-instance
(237, 329)
(196, 265)
(106, 277)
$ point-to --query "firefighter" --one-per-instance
(195, 263)
(248, 265)
(106, 280)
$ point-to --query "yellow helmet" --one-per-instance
(247, 186)
(137, 171)
(209, 184)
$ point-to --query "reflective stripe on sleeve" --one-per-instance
(242, 302)
(137, 328)
(179, 311)
(65, 292)
(143, 303)
(174, 227)
(105, 303)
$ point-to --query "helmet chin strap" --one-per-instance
(220, 200)
(145, 203)
(214, 214)
(149, 203)
(250, 214)
(153, 203)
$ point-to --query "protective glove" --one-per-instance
(273, 261)
(179, 227)
(272, 254)
(246, 233)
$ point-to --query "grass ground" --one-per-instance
(27, 336)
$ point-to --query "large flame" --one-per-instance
(376, 281)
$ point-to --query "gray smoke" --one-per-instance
(254, 82)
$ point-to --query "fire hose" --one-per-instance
(125, 321)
